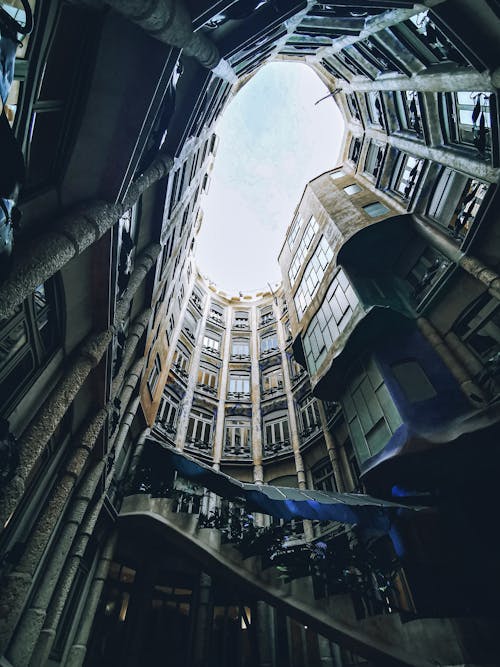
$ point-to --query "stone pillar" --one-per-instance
(351, 482)
(331, 447)
(258, 471)
(31, 623)
(265, 633)
(33, 264)
(76, 654)
(142, 266)
(170, 23)
(33, 442)
(136, 456)
(325, 653)
(134, 335)
(472, 364)
(63, 589)
(203, 617)
(183, 420)
(223, 378)
(471, 390)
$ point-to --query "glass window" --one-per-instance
(216, 313)
(369, 410)
(323, 477)
(276, 432)
(374, 158)
(309, 416)
(240, 348)
(208, 376)
(181, 360)
(467, 117)
(241, 319)
(408, 110)
(269, 343)
(266, 315)
(239, 384)
(406, 176)
(295, 229)
(301, 252)
(337, 174)
(312, 276)
(154, 375)
(211, 344)
(238, 437)
(352, 189)
(199, 431)
(375, 111)
(169, 408)
(376, 209)
(272, 380)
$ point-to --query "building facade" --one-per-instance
(132, 389)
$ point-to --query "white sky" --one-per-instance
(273, 140)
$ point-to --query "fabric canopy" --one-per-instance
(284, 502)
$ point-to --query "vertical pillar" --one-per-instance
(76, 654)
(221, 406)
(258, 471)
(331, 447)
(203, 616)
(183, 421)
(265, 633)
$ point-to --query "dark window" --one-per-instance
(413, 381)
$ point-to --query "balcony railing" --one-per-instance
(207, 388)
(241, 324)
(240, 357)
(275, 448)
(238, 395)
(273, 390)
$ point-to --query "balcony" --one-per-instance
(277, 448)
(240, 357)
(207, 389)
(216, 319)
(267, 393)
(241, 324)
(238, 396)
(211, 351)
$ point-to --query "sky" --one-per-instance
(273, 140)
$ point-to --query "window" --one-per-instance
(467, 119)
(376, 209)
(370, 412)
(154, 376)
(199, 430)
(408, 110)
(335, 175)
(312, 276)
(241, 319)
(272, 380)
(374, 105)
(216, 313)
(211, 344)
(240, 348)
(295, 229)
(27, 341)
(197, 298)
(352, 105)
(180, 297)
(269, 343)
(407, 172)
(180, 361)
(208, 376)
(355, 150)
(374, 157)
(426, 271)
(238, 436)
(239, 384)
(352, 189)
(190, 326)
(309, 416)
(276, 432)
(167, 414)
(413, 381)
(301, 252)
(266, 315)
(323, 477)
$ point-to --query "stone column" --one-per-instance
(351, 483)
(34, 263)
(183, 420)
(331, 447)
(221, 406)
(258, 471)
(170, 23)
(456, 78)
(76, 654)
(33, 442)
(265, 633)
(325, 654)
(136, 456)
(142, 266)
(134, 335)
(471, 390)
(31, 623)
(203, 617)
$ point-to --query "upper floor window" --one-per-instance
(323, 477)
(211, 343)
(197, 298)
(312, 276)
(181, 359)
(374, 158)
(276, 431)
(207, 376)
(409, 111)
(154, 376)
(352, 189)
(272, 380)
(190, 326)
(375, 110)
(28, 339)
(368, 407)
(352, 105)
(309, 415)
(269, 342)
(376, 209)
(329, 321)
(169, 409)
(266, 315)
(241, 319)
(355, 149)
(413, 381)
(304, 245)
(467, 120)
(239, 384)
(406, 175)
(240, 348)
(238, 436)
(295, 229)
(339, 173)
(200, 427)
(426, 271)
(216, 313)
